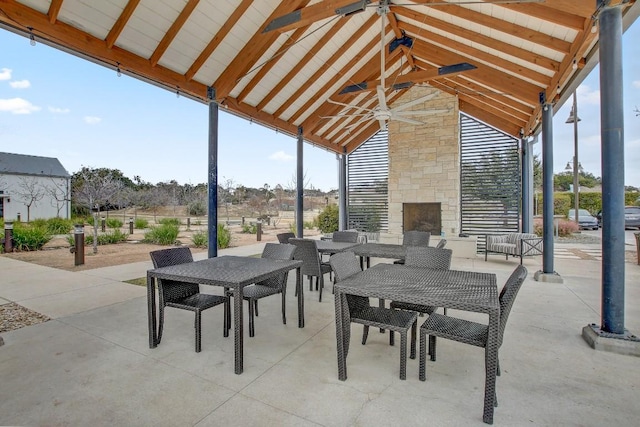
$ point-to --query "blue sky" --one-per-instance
(56, 105)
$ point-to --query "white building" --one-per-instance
(33, 187)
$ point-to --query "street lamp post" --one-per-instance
(573, 118)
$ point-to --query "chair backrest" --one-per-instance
(441, 244)
(280, 251)
(345, 236)
(416, 238)
(284, 237)
(344, 265)
(508, 296)
(307, 252)
(171, 290)
(428, 257)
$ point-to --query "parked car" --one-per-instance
(631, 217)
(586, 221)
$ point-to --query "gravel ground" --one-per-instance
(14, 316)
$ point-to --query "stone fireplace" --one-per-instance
(424, 167)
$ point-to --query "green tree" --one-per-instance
(328, 219)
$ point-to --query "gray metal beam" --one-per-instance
(612, 134)
(547, 187)
(527, 185)
(342, 192)
(212, 218)
(300, 186)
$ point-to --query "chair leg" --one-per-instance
(198, 326)
(227, 319)
(432, 347)
(255, 303)
(251, 314)
(412, 355)
(423, 356)
(498, 368)
(160, 321)
(310, 283)
(391, 338)
(403, 355)
(284, 308)
(320, 280)
(365, 334)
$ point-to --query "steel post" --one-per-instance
(300, 186)
(212, 209)
(547, 188)
(612, 146)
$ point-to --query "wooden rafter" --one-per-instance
(121, 22)
(54, 10)
(252, 51)
(173, 31)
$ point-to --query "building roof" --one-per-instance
(22, 164)
(301, 65)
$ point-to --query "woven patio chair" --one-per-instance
(312, 265)
(414, 238)
(423, 257)
(346, 264)
(465, 331)
(284, 237)
(271, 286)
(441, 244)
(185, 296)
(345, 236)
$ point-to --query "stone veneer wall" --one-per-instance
(424, 160)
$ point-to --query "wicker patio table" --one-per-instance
(379, 250)
(462, 290)
(233, 272)
(331, 247)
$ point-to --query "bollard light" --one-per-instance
(130, 225)
(8, 236)
(103, 223)
(78, 238)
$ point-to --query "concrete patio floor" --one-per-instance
(91, 364)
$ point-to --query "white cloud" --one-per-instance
(636, 84)
(92, 120)
(20, 84)
(58, 110)
(281, 156)
(588, 96)
(5, 74)
(17, 106)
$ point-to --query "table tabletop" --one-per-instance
(231, 272)
(381, 250)
(462, 290)
(331, 247)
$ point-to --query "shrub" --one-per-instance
(59, 225)
(309, 225)
(250, 228)
(565, 227)
(328, 219)
(164, 234)
(170, 221)
(224, 236)
(112, 237)
(140, 223)
(197, 209)
(200, 239)
(30, 238)
(114, 223)
(38, 222)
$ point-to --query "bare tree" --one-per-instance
(31, 192)
(225, 194)
(92, 188)
(59, 192)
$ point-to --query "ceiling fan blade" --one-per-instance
(382, 101)
(361, 120)
(340, 116)
(419, 112)
(415, 102)
(316, 12)
(330, 101)
(407, 80)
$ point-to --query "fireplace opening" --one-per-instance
(422, 217)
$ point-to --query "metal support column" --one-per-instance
(300, 187)
(547, 274)
(212, 217)
(612, 134)
(342, 192)
(527, 185)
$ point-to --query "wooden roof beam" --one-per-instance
(286, 80)
(217, 39)
(173, 32)
(54, 10)
(121, 22)
(252, 51)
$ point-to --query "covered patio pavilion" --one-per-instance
(316, 70)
